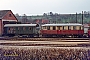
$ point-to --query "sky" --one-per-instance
(37, 7)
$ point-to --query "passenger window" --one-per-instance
(17, 28)
(8, 28)
(29, 28)
(48, 28)
(61, 27)
(14, 32)
(80, 28)
(44, 27)
(65, 27)
(58, 28)
(8, 31)
(74, 27)
(54, 28)
(69, 27)
(11, 28)
(23, 28)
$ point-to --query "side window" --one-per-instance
(80, 27)
(48, 27)
(58, 27)
(30, 28)
(54, 28)
(61, 27)
(11, 29)
(8, 31)
(65, 27)
(69, 27)
(23, 28)
(18, 28)
(74, 27)
(44, 27)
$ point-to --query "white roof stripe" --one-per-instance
(69, 24)
(15, 25)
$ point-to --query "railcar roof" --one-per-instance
(67, 24)
(15, 25)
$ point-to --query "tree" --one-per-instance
(24, 18)
(16, 14)
(18, 17)
(51, 13)
(44, 14)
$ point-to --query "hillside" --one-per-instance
(56, 18)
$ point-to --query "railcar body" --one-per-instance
(89, 31)
(62, 30)
(28, 30)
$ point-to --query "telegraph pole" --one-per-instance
(76, 17)
(82, 17)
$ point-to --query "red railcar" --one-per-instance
(60, 30)
(70, 32)
(48, 33)
(88, 31)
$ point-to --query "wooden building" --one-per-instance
(5, 16)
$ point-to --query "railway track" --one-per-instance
(47, 39)
(41, 39)
(56, 42)
(48, 45)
